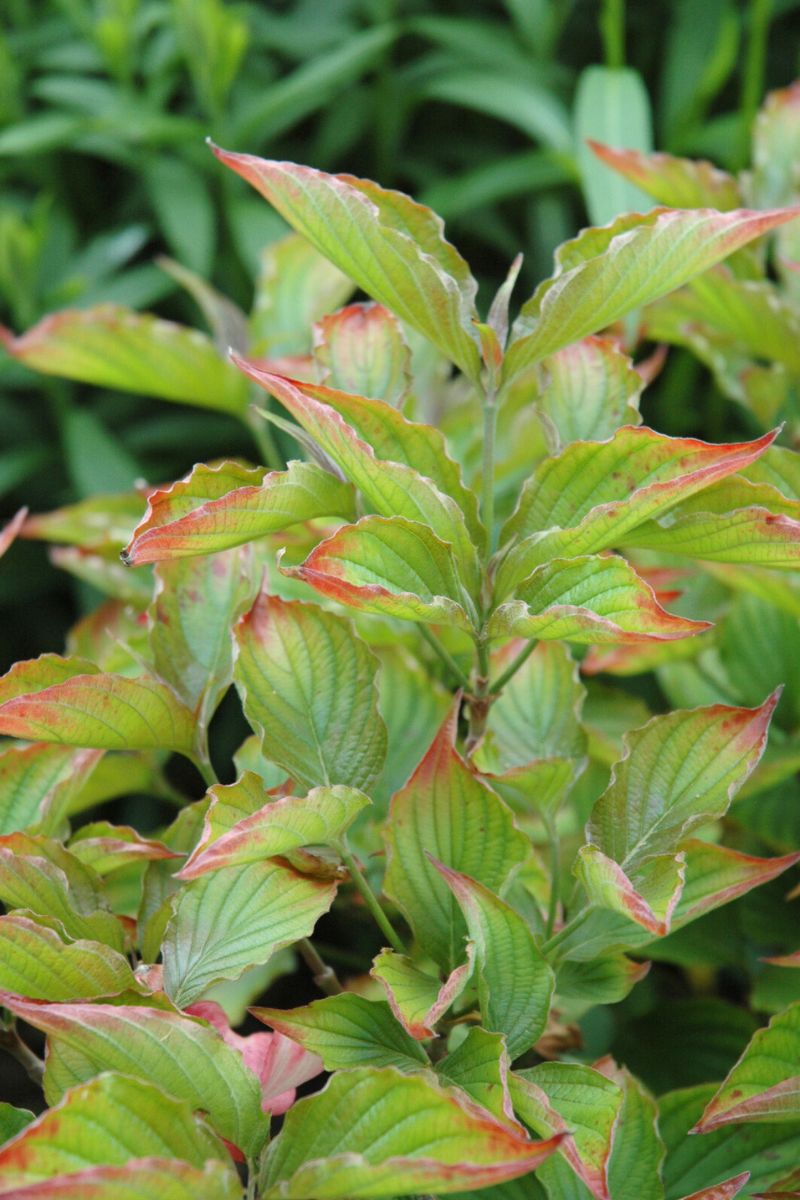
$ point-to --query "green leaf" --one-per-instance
(588, 600)
(479, 1066)
(115, 347)
(381, 1133)
(101, 523)
(361, 349)
(764, 1085)
(716, 875)
(9, 532)
(276, 828)
(183, 1056)
(185, 210)
(637, 1151)
(412, 703)
(747, 535)
(347, 1031)
(390, 566)
(308, 685)
(445, 810)
(215, 508)
(73, 703)
(515, 983)
(390, 246)
(296, 286)
(679, 772)
(13, 1121)
(674, 182)
(612, 105)
(647, 896)
(37, 783)
(604, 273)
(417, 999)
(140, 1179)
(605, 979)
(587, 391)
(235, 918)
(107, 1122)
(592, 494)
(105, 847)
(36, 963)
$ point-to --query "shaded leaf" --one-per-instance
(648, 896)
(10, 531)
(296, 286)
(37, 782)
(361, 349)
(588, 390)
(99, 523)
(417, 999)
(479, 1066)
(612, 105)
(36, 963)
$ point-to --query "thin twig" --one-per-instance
(12, 1043)
(513, 667)
(445, 656)
(325, 977)
(371, 900)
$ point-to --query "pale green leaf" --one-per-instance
(361, 349)
(417, 999)
(35, 962)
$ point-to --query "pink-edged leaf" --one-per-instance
(417, 999)
(35, 962)
(479, 1065)
(786, 960)
(764, 1085)
(604, 273)
(648, 897)
(588, 600)
(216, 507)
(716, 875)
(445, 809)
(11, 530)
(115, 347)
(722, 1191)
(38, 783)
(389, 245)
(675, 182)
(587, 391)
(101, 523)
(138, 1179)
(361, 349)
(392, 567)
(105, 847)
(635, 1169)
(753, 535)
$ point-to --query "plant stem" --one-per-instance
(513, 667)
(480, 701)
(371, 900)
(206, 770)
(445, 656)
(324, 976)
(487, 492)
(265, 442)
(612, 29)
(555, 869)
(753, 71)
(12, 1043)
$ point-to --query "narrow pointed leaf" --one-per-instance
(515, 983)
(361, 349)
(648, 897)
(215, 508)
(140, 1179)
(308, 685)
(381, 1133)
(36, 963)
(604, 273)
(589, 600)
(236, 918)
(348, 1031)
(722, 1191)
(115, 347)
(446, 810)
(419, 1000)
(389, 566)
(716, 875)
(674, 182)
(183, 1056)
(393, 248)
(479, 1066)
(764, 1085)
(746, 535)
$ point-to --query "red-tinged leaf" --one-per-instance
(35, 962)
(446, 810)
(747, 535)
(679, 771)
(105, 847)
(605, 979)
(637, 1150)
(296, 286)
(716, 875)
(648, 897)
(184, 1056)
(515, 982)
(592, 494)
(391, 487)
(764, 1085)
(479, 1066)
(215, 508)
(722, 1191)
(276, 828)
(605, 273)
(392, 567)
(279, 1064)
(72, 702)
(419, 1000)
(38, 784)
(390, 246)
(675, 182)
(786, 960)
(139, 1179)
(382, 1133)
(115, 347)
(587, 391)
(361, 349)
(308, 685)
(11, 530)
(100, 523)
(108, 575)
(591, 599)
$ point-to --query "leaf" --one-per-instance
(381, 1133)
(179, 1054)
(716, 875)
(588, 390)
(637, 1151)
(348, 1031)
(100, 523)
(611, 104)
(71, 702)
(296, 286)
(764, 1085)
(674, 182)
(308, 685)
(390, 246)
(361, 349)
(606, 979)
(592, 494)
(588, 600)
(13, 1120)
(105, 847)
(604, 273)
(393, 488)
(417, 999)
(107, 1122)
(236, 918)
(140, 1179)
(515, 983)
(412, 703)
(10, 531)
(36, 783)
(679, 772)
(37, 964)
(479, 1066)
(648, 896)
(115, 347)
(722, 1191)
(214, 508)
(747, 535)
(445, 810)
(277, 828)
(389, 566)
